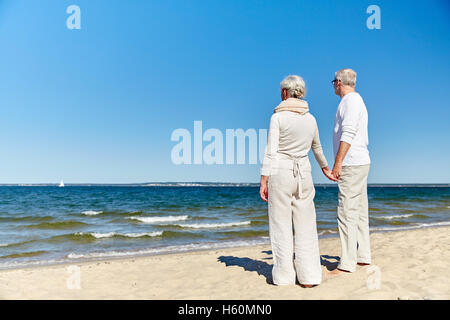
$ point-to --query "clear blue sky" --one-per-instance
(99, 104)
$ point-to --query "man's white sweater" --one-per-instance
(350, 125)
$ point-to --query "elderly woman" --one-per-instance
(287, 185)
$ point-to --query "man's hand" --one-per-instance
(337, 170)
(263, 190)
(327, 172)
(342, 151)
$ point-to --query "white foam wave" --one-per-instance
(417, 226)
(214, 225)
(91, 212)
(99, 235)
(324, 232)
(4, 244)
(143, 234)
(160, 219)
(398, 216)
(21, 264)
(170, 249)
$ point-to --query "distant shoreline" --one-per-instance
(213, 184)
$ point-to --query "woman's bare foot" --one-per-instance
(308, 285)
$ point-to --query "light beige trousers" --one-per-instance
(291, 206)
(353, 217)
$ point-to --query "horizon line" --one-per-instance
(193, 183)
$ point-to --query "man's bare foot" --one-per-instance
(363, 264)
(338, 271)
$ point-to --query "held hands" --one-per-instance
(332, 175)
(263, 190)
(337, 170)
(329, 174)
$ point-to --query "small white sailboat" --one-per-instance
(61, 184)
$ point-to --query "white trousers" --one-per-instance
(353, 217)
(291, 205)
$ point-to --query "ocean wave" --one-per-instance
(14, 264)
(99, 235)
(319, 222)
(203, 218)
(117, 213)
(27, 218)
(244, 234)
(417, 226)
(182, 234)
(263, 217)
(214, 225)
(88, 237)
(326, 232)
(169, 249)
(16, 244)
(398, 216)
(57, 225)
(91, 212)
(259, 222)
(397, 222)
(159, 219)
(24, 254)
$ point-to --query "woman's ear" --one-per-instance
(283, 94)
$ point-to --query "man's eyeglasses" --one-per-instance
(334, 81)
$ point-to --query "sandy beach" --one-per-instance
(406, 265)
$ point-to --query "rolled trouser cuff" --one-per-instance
(364, 261)
(346, 268)
(311, 282)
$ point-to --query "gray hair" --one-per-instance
(294, 85)
(346, 76)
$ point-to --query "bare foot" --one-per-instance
(338, 271)
(308, 285)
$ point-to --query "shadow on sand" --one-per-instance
(325, 260)
(252, 265)
(265, 269)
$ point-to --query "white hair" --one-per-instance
(294, 85)
(346, 76)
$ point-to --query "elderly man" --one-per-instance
(351, 168)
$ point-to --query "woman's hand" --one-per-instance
(263, 190)
(327, 172)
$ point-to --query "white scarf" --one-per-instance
(294, 105)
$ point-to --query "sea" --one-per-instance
(47, 224)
